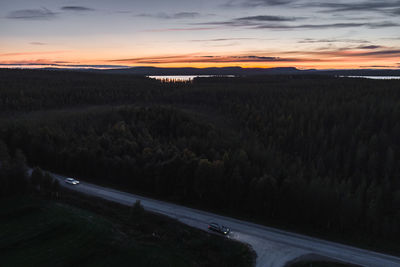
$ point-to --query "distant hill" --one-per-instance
(202, 71)
(238, 71)
(248, 71)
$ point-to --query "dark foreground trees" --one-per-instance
(13, 175)
(16, 180)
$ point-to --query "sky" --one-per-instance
(331, 34)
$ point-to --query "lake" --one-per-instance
(188, 78)
(375, 77)
(183, 78)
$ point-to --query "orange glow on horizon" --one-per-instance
(340, 59)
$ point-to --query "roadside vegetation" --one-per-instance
(314, 154)
(45, 225)
(37, 232)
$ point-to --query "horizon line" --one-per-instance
(123, 67)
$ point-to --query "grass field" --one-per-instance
(37, 232)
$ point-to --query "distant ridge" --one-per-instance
(202, 71)
(237, 71)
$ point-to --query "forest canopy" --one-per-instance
(317, 152)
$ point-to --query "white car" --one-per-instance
(71, 181)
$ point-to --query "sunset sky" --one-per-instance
(176, 33)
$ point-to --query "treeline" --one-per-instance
(155, 150)
(17, 180)
(29, 90)
(321, 153)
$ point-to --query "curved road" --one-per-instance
(274, 248)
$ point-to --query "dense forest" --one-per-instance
(314, 152)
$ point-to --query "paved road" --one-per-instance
(274, 247)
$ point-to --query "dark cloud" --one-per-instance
(384, 24)
(327, 26)
(395, 11)
(390, 52)
(263, 24)
(252, 21)
(77, 8)
(311, 41)
(267, 18)
(369, 47)
(378, 66)
(262, 59)
(352, 48)
(258, 3)
(179, 15)
(255, 3)
(388, 7)
(358, 6)
(32, 14)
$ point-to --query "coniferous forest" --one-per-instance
(310, 153)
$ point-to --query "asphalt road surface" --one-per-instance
(274, 248)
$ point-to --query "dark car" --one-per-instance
(218, 228)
